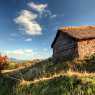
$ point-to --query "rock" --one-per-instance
(31, 74)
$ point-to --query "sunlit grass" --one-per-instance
(75, 77)
(62, 85)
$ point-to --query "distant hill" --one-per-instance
(15, 60)
(12, 59)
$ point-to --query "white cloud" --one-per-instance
(53, 16)
(27, 20)
(28, 51)
(26, 54)
(38, 7)
(28, 39)
(41, 8)
(19, 53)
(16, 52)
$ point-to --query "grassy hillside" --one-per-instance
(62, 85)
(73, 77)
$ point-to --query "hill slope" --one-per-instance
(74, 77)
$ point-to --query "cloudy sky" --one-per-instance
(28, 27)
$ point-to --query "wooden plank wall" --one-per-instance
(64, 46)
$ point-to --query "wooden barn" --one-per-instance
(71, 42)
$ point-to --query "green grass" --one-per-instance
(61, 85)
(47, 67)
(6, 85)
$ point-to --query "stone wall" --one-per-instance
(86, 48)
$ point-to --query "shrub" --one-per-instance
(3, 62)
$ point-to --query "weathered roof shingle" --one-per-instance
(77, 32)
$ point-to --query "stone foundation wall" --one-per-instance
(86, 48)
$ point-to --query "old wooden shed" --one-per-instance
(71, 42)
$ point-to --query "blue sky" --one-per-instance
(28, 27)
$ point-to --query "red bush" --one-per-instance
(3, 62)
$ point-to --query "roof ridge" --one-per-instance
(77, 28)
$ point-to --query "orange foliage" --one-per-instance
(3, 61)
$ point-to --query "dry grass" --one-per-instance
(69, 73)
(64, 78)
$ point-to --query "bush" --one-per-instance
(3, 62)
(11, 65)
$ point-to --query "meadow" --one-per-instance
(69, 77)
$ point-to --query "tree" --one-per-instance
(3, 62)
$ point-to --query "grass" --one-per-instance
(62, 85)
(75, 77)
(6, 85)
(48, 68)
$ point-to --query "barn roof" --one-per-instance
(77, 32)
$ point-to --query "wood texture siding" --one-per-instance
(64, 47)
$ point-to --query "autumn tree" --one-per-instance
(3, 62)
